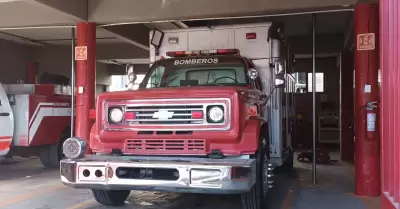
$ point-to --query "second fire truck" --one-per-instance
(35, 120)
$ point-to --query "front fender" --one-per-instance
(251, 135)
(94, 139)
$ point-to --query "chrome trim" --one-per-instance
(177, 109)
(145, 127)
(166, 120)
(168, 100)
(148, 115)
(196, 175)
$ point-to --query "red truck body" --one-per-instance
(239, 136)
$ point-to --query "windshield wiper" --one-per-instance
(167, 82)
(211, 84)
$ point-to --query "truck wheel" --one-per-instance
(45, 157)
(110, 197)
(51, 155)
(256, 198)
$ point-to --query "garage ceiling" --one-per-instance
(49, 22)
(296, 25)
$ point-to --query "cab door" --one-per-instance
(6, 123)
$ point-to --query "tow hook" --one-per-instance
(216, 154)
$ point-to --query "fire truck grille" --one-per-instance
(159, 146)
(166, 115)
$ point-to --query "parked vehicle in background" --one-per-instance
(35, 121)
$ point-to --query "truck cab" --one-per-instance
(6, 123)
(202, 121)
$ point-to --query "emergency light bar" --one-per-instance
(203, 52)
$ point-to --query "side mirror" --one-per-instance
(252, 73)
(280, 81)
(157, 38)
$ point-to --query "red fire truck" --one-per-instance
(34, 121)
(211, 116)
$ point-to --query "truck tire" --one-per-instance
(44, 156)
(288, 165)
(256, 198)
(50, 155)
(111, 197)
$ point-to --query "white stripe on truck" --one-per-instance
(42, 112)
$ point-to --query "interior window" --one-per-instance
(300, 82)
(319, 82)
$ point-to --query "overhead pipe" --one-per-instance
(73, 83)
(234, 17)
(39, 43)
(314, 165)
(37, 27)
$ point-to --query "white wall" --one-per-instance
(13, 60)
(52, 59)
(102, 74)
(57, 59)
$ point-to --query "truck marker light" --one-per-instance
(130, 115)
(251, 36)
(92, 114)
(227, 51)
(176, 54)
(203, 52)
(197, 115)
(252, 111)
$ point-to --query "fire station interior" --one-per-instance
(47, 51)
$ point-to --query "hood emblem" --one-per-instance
(163, 114)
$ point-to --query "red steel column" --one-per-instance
(367, 144)
(31, 73)
(390, 102)
(85, 79)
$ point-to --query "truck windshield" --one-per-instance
(196, 72)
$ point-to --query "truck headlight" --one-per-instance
(74, 147)
(215, 114)
(116, 115)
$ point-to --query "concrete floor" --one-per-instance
(24, 184)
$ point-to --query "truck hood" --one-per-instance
(176, 92)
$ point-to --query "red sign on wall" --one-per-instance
(366, 41)
(81, 53)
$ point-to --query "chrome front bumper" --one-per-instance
(193, 175)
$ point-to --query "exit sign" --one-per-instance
(366, 41)
(81, 53)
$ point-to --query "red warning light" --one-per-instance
(251, 36)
